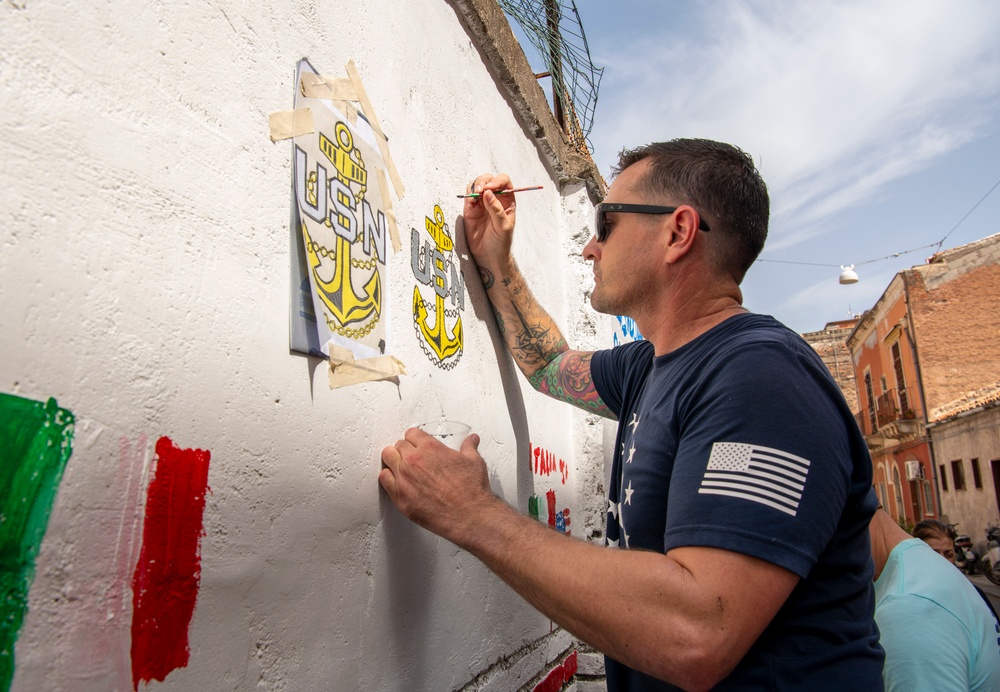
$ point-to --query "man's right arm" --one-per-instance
(531, 335)
(537, 345)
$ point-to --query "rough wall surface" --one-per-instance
(831, 345)
(974, 436)
(955, 308)
(144, 285)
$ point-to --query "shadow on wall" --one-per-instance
(509, 373)
(411, 554)
(405, 585)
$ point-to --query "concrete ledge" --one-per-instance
(489, 28)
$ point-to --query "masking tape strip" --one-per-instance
(352, 112)
(288, 124)
(340, 92)
(366, 105)
(345, 371)
(383, 191)
(316, 86)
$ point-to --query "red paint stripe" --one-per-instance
(558, 676)
(550, 498)
(165, 583)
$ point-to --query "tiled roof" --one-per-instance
(984, 396)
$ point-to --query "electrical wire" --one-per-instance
(938, 244)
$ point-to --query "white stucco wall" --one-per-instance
(974, 435)
(144, 270)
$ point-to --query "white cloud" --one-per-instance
(833, 99)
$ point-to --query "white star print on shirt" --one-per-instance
(628, 493)
(631, 453)
(613, 509)
(635, 422)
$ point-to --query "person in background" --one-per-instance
(741, 488)
(937, 633)
(941, 538)
(938, 536)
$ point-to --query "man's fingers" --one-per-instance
(391, 457)
(412, 436)
(499, 214)
(501, 181)
(387, 480)
(480, 182)
(471, 444)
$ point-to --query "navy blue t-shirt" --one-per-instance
(741, 440)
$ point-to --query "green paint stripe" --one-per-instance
(35, 443)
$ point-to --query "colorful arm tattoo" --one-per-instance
(567, 378)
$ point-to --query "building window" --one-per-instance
(943, 477)
(897, 488)
(928, 499)
(871, 402)
(977, 476)
(881, 381)
(897, 366)
(957, 475)
(883, 500)
(995, 470)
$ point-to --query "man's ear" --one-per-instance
(683, 229)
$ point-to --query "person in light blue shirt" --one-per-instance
(937, 632)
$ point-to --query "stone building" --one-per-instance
(831, 345)
(955, 307)
(927, 363)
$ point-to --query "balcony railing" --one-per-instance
(886, 409)
(861, 417)
(893, 423)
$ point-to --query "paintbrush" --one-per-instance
(503, 192)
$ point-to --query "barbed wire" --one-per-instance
(554, 29)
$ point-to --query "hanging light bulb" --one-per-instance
(848, 275)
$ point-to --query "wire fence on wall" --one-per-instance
(554, 29)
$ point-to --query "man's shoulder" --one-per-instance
(758, 333)
(753, 327)
(625, 356)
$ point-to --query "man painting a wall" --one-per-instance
(741, 488)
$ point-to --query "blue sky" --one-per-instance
(875, 123)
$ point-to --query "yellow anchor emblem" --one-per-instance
(338, 293)
(442, 342)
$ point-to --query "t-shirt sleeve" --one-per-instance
(610, 370)
(764, 460)
(925, 646)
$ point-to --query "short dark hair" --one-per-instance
(722, 183)
(932, 528)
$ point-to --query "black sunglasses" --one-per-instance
(603, 208)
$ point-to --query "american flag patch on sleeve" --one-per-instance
(759, 474)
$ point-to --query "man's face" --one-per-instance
(942, 545)
(625, 263)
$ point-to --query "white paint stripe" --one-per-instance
(782, 508)
(797, 479)
(793, 504)
(779, 452)
(796, 493)
(791, 466)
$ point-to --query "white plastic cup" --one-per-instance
(452, 433)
